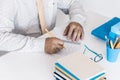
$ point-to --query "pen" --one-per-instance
(66, 41)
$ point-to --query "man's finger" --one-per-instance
(59, 42)
(75, 34)
(66, 31)
(82, 35)
(78, 35)
(70, 32)
(58, 48)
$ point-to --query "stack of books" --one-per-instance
(77, 67)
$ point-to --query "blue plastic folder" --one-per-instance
(104, 29)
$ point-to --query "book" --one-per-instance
(61, 74)
(77, 66)
(104, 29)
(56, 75)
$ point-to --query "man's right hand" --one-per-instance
(53, 45)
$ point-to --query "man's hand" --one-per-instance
(53, 45)
(74, 31)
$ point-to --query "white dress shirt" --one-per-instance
(18, 18)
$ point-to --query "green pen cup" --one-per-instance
(112, 54)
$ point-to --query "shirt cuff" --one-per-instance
(34, 45)
(39, 44)
(79, 19)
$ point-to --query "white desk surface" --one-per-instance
(40, 66)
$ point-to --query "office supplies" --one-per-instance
(117, 45)
(113, 49)
(104, 29)
(115, 42)
(58, 76)
(62, 75)
(111, 44)
(71, 42)
(116, 28)
(79, 67)
(49, 33)
(112, 54)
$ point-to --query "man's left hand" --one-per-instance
(74, 31)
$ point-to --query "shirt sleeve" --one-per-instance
(74, 9)
(15, 42)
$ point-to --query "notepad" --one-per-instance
(78, 67)
(104, 29)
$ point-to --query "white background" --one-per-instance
(110, 8)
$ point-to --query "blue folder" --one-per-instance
(104, 29)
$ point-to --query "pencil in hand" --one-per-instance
(50, 34)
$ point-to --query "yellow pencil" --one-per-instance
(116, 40)
(111, 44)
(49, 33)
(117, 45)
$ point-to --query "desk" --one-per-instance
(40, 66)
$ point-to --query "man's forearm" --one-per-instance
(13, 42)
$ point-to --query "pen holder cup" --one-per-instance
(112, 54)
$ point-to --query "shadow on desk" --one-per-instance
(3, 53)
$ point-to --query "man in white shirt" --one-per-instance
(18, 18)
